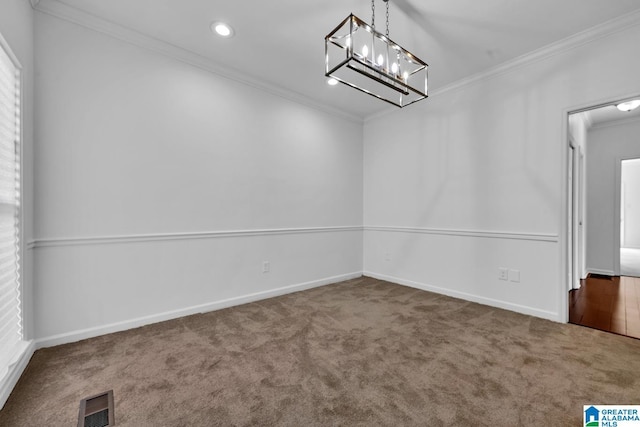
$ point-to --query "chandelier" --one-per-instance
(365, 59)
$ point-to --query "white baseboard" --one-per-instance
(599, 271)
(550, 315)
(201, 308)
(15, 372)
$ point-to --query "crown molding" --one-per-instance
(65, 12)
(567, 44)
(62, 11)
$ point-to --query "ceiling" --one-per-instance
(610, 113)
(281, 42)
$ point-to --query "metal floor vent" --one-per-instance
(97, 411)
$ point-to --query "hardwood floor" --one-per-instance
(607, 303)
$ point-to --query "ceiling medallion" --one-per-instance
(359, 56)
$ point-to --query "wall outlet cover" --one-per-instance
(514, 276)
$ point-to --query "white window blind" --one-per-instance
(10, 316)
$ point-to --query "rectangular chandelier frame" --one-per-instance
(359, 56)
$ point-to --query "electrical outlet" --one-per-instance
(503, 273)
(266, 267)
(514, 276)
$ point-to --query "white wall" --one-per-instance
(147, 168)
(145, 164)
(472, 179)
(631, 206)
(606, 145)
(16, 26)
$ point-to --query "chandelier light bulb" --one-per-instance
(394, 68)
(405, 76)
(365, 51)
(332, 82)
(380, 60)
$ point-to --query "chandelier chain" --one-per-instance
(387, 2)
(373, 13)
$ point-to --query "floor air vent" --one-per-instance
(97, 411)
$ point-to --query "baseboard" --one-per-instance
(550, 315)
(82, 334)
(15, 372)
(599, 271)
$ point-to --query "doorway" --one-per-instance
(630, 217)
(603, 202)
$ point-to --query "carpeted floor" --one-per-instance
(357, 353)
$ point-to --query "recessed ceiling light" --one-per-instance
(629, 105)
(222, 29)
(332, 82)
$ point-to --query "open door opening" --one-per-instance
(630, 217)
(603, 218)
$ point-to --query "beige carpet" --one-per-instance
(358, 353)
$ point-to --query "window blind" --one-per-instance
(10, 316)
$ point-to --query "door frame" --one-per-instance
(563, 246)
(571, 214)
(575, 213)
